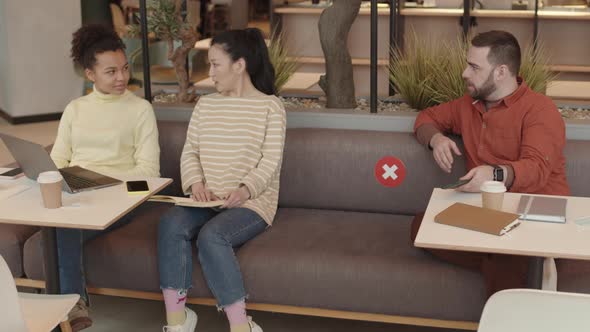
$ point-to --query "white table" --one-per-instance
(531, 238)
(95, 209)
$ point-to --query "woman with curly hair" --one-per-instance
(110, 131)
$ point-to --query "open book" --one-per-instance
(185, 201)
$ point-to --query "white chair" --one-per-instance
(528, 310)
(22, 312)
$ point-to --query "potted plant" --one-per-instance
(428, 71)
(166, 22)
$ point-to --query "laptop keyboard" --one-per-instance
(76, 182)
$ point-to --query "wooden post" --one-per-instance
(147, 83)
(373, 84)
(334, 26)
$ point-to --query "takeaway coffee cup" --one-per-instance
(50, 184)
(492, 194)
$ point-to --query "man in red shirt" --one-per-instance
(510, 133)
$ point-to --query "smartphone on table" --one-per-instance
(11, 174)
(137, 187)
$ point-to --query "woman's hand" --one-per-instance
(201, 194)
(236, 198)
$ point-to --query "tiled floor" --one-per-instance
(41, 133)
(131, 315)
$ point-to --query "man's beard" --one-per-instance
(487, 88)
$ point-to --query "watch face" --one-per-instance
(498, 174)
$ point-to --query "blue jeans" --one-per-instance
(216, 233)
(70, 244)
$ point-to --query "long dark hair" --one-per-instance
(248, 44)
(93, 39)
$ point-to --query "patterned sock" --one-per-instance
(175, 300)
(236, 314)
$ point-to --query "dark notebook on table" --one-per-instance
(541, 208)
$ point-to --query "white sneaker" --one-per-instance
(253, 326)
(190, 323)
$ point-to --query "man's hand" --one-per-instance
(442, 150)
(236, 198)
(202, 194)
(478, 176)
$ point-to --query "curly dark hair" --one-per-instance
(93, 39)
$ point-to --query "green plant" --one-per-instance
(534, 68)
(283, 64)
(409, 71)
(447, 77)
(429, 72)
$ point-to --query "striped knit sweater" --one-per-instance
(233, 141)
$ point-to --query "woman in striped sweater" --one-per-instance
(233, 152)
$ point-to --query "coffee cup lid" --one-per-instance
(493, 187)
(49, 177)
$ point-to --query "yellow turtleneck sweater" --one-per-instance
(115, 135)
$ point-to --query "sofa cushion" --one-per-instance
(363, 262)
(352, 261)
(125, 258)
(145, 221)
(12, 241)
(334, 169)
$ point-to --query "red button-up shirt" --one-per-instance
(524, 130)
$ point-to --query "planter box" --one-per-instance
(348, 119)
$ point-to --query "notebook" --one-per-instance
(185, 201)
(541, 208)
(478, 219)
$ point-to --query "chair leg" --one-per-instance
(65, 326)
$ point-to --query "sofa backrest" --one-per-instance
(172, 136)
(577, 166)
(334, 169)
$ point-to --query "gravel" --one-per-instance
(390, 105)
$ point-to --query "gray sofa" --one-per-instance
(340, 240)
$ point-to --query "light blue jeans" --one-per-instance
(217, 234)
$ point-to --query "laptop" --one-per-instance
(34, 159)
(542, 208)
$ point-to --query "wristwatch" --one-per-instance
(498, 173)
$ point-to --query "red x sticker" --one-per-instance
(390, 171)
